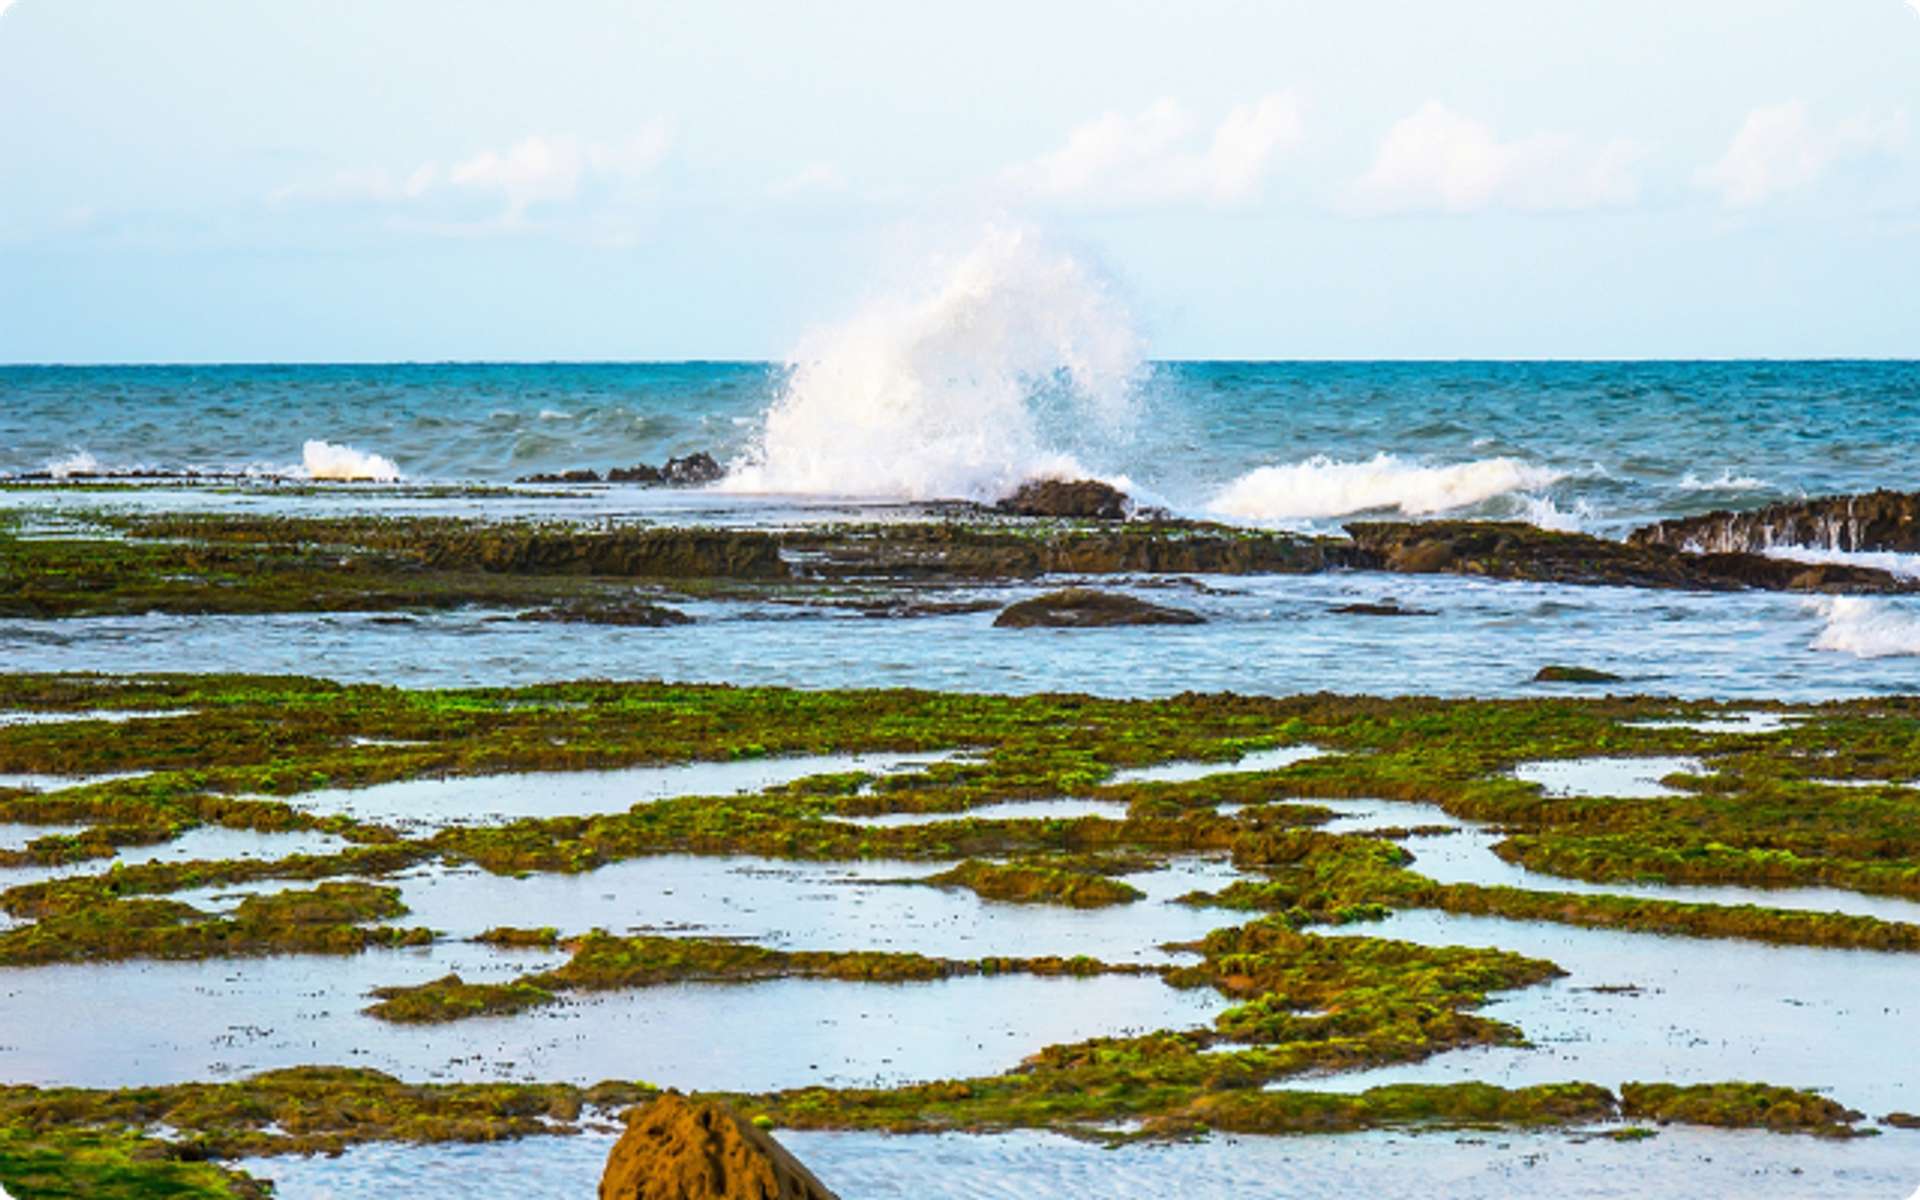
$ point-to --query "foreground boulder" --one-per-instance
(1088, 498)
(680, 1149)
(1084, 608)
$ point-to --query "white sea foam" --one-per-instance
(1014, 359)
(1726, 482)
(1327, 487)
(1866, 627)
(1907, 566)
(324, 460)
(76, 464)
(1542, 511)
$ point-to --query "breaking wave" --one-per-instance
(324, 460)
(1327, 487)
(1013, 360)
(1868, 628)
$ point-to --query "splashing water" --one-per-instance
(1866, 627)
(1326, 487)
(324, 460)
(1018, 357)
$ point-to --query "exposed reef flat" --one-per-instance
(119, 564)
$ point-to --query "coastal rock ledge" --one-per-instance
(679, 1149)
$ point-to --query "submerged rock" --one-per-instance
(1068, 498)
(1554, 673)
(1084, 608)
(1875, 521)
(627, 612)
(698, 467)
(1381, 608)
(680, 1149)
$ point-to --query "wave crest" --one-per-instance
(324, 460)
(1005, 367)
(1868, 628)
(1328, 487)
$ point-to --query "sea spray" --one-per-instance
(1015, 360)
(1327, 487)
(1866, 627)
(324, 460)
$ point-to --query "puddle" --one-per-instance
(151, 1023)
(206, 843)
(1699, 1011)
(10, 720)
(426, 804)
(1187, 772)
(54, 783)
(1064, 809)
(1623, 778)
(1681, 1163)
(1753, 722)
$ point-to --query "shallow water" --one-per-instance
(1699, 1011)
(1269, 636)
(426, 804)
(1187, 772)
(1680, 1164)
(1625, 778)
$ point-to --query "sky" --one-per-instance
(360, 180)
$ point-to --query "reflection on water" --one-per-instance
(1680, 1164)
(1187, 772)
(1625, 778)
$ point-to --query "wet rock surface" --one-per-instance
(679, 1149)
(1880, 520)
(1511, 550)
(688, 471)
(1555, 673)
(1085, 608)
(1085, 498)
(636, 613)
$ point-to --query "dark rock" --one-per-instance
(695, 468)
(1383, 608)
(1901, 1120)
(637, 473)
(1084, 608)
(630, 553)
(950, 550)
(1511, 550)
(679, 1149)
(1882, 520)
(1068, 498)
(627, 612)
(577, 476)
(1553, 673)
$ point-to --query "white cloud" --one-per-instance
(1438, 160)
(816, 179)
(1158, 156)
(7, 4)
(1778, 150)
(540, 169)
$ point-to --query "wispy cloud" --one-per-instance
(1778, 150)
(1439, 160)
(1165, 154)
(542, 169)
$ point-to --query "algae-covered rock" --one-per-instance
(1555, 673)
(680, 1149)
(1085, 608)
(1067, 498)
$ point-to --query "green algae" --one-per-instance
(1740, 1106)
(110, 1164)
(332, 918)
(601, 963)
(1077, 882)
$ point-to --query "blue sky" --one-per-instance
(249, 180)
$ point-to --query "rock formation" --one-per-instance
(1084, 608)
(1881, 520)
(1068, 498)
(680, 1149)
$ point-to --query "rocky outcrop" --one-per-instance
(1084, 608)
(637, 613)
(1084, 498)
(629, 553)
(1881, 520)
(680, 1149)
(1510, 550)
(1555, 673)
(691, 470)
(926, 552)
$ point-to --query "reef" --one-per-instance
(1086, 498)
(1084, 608)
(1874, 521)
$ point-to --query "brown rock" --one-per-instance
(1084, 608)
(679, 1149)
(1881, 520)
(1068, 498)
